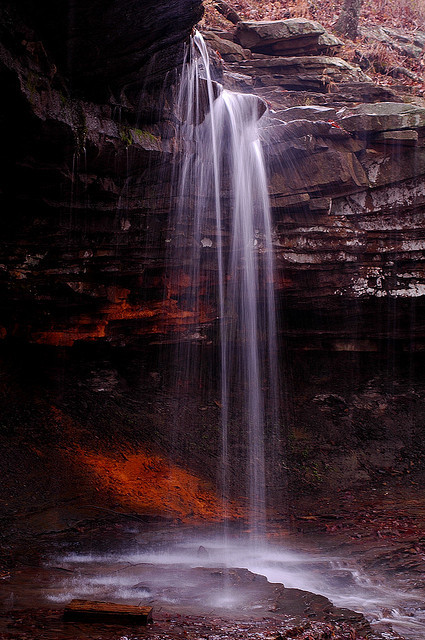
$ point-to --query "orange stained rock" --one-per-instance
(67, 336)
(182, 281)
(85, 327)
(150, 484)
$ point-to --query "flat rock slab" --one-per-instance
(407, 136)
(383, 116)
(299, 63)
(303, 72)
(305, 112)
(290, 37)
(106, 612)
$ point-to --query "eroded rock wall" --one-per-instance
(85, 165)
(86, 169)
(86, 161)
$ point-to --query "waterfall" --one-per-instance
(223, 243)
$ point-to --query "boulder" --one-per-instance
(227, 11)
(296, 36)
(383, 116)
(329, 44)
(411, 44)
(228, 50)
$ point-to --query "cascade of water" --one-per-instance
(223, 243)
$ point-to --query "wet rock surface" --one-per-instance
(111, 411)
(49, 623)
(190, 601)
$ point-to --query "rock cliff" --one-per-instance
(88, 138)
(346, 183)
(86, 161)
(81, 156)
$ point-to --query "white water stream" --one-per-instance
(222, 237)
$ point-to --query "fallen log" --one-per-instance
(106, 612)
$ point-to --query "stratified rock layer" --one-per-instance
(88, 152)
(295, 36)
(385, 116)
(87, 185)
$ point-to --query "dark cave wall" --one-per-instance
(348, 419)
(113, 47)
(85, 165)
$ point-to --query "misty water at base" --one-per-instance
(182, 574)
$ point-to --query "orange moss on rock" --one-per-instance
(148, 483)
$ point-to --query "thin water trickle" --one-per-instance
(223, 243)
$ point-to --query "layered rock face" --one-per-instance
(82, 158)
(347, 178)
(357, 223)
(346, 184)
(86, 184)
(87, 157)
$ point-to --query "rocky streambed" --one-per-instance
(202, 585)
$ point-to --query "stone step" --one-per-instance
(295, 36)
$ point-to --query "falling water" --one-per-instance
(222, 237)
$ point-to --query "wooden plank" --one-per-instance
(106, 612)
